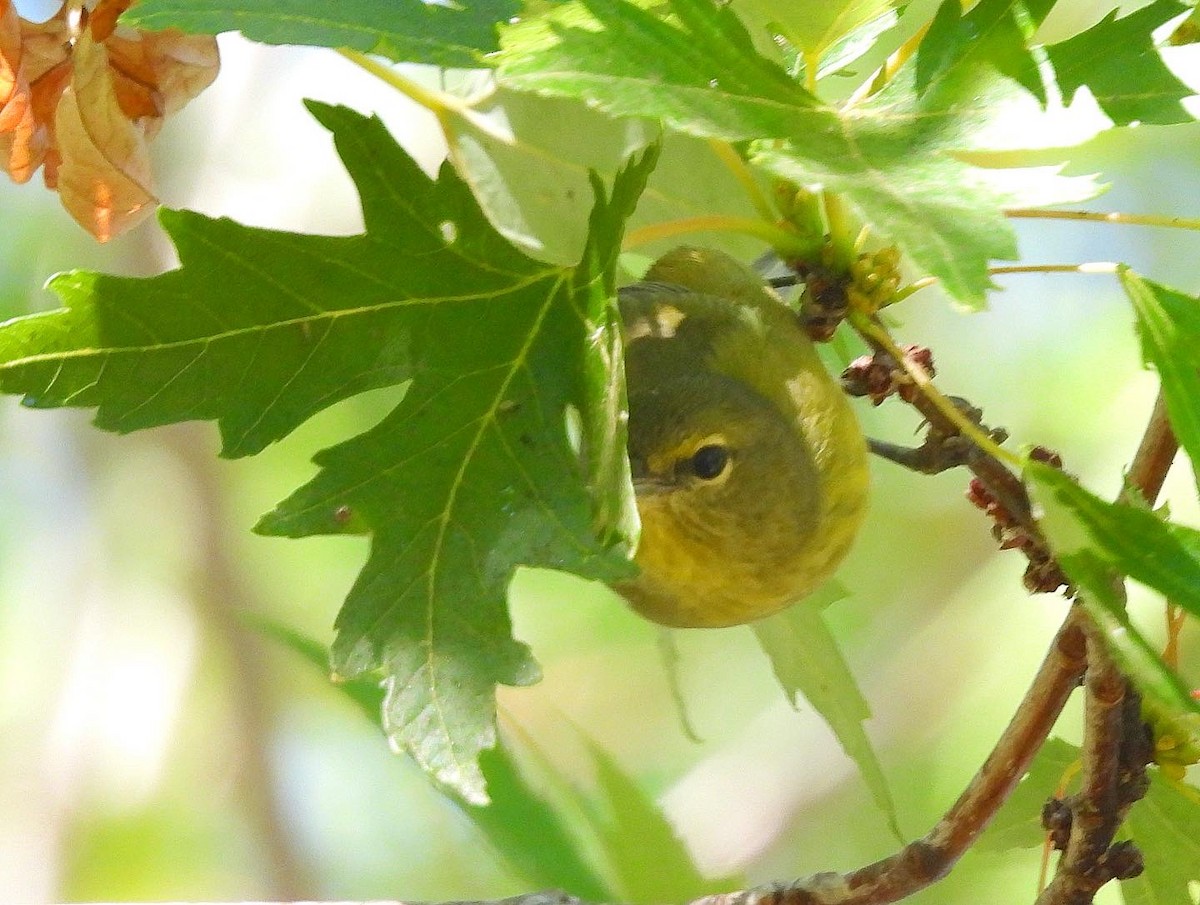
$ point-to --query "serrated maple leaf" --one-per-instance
(473, 474)
(1117, 59)
(893, 158)
(83, 99)
(441, 34)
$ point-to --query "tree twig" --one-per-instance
(1116, 748)
(1154, 455)
(1117, 745)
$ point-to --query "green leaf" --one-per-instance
(1163, 825)
(1187, 31)
(994, 31)
(1117, 60)
(851, 47)
(1132, 541)
(472, 474)
(442, 34)
(700, 74)
(529, 166)
(1018, 823)
(807, 662)
(522, 825)
(1167, 705)
(815, 27)
(891, 157)
(1168, 325)
(650, 860)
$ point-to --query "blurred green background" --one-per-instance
(153, 745)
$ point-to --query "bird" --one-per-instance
(749, 467)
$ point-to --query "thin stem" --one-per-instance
(841, 231)
(1106, 217)
(1087, 267)
(1147, 472)
(1176, 616)
(911, 289)
(745, 176)
(891, 66)
(812, 62)
(429, 98)
(784, 241)
(876, 333)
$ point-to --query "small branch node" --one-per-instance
(1123, 860)
(1057, 819)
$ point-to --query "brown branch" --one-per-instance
(999, 490)
(930, 858)
(1117, 745)
(1154, 455)
(1092, 816)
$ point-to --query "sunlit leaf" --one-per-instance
(890, 157)
(815, 27)
(1132, 539)
(1117, 60)
(809, 664)
(1095, 542)
(1168, 324)
(444, 34)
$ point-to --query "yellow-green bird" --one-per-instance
(749, 467)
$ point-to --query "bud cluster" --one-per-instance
(878, 376)
(874, 279)
(1043, 575)
(823, 305)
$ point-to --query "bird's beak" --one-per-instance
(645, 483)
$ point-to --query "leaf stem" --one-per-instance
(744, 175)
(441, 104)
(1109, 217)
(1145, 479)
(812, 62)
(841, 233)
(1176, 616)
(1086, 267)
(786, 242)
(891, 66)
(429, 98)
(1154, 456)
(911, 289)
(874, 331)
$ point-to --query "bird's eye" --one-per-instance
(709, 462)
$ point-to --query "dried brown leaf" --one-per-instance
(83, 104)
(104, 177)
